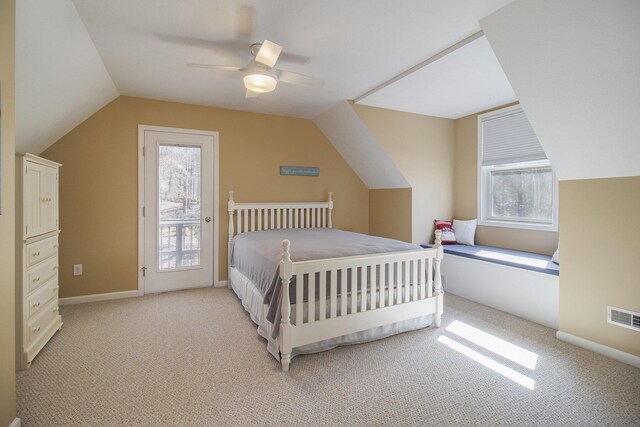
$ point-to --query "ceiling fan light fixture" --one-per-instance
(261, 82)
(260, 74)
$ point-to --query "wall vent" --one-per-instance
(624, 318)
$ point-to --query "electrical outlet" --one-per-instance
(77, 269)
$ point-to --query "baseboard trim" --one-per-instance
(221, 284)
(97, 297)
(16, 423)
(599, 348)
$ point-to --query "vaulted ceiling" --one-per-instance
(73, 57)
(574, 65)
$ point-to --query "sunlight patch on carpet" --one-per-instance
(496, 345)
(487, 362)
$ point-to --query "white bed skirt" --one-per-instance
(252, 303)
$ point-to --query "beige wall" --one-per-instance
(465, 190)
(423, 148)
(390, 213)
(7, 219)
(98, 181)
(600, 237)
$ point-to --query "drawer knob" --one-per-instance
(56, 288)
(36, 304)
(37, 279)
(36, 329)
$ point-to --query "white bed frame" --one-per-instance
(335, 317)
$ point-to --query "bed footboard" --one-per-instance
(383, 288)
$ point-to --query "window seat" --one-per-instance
(510, 257)
(520, 283)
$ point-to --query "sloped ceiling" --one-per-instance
(463, 82)
(73, 57)
(349, 135)
(352, 45)
(575, 66)
(60, 77)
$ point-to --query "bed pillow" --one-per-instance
(465, 231)
(448, 236)
(556, 255)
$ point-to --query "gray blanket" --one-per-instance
(257, 255)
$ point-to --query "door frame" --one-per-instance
(216, 207)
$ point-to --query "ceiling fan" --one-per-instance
(260, 74)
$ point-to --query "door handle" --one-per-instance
(207, 219)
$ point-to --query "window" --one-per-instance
(517, 187)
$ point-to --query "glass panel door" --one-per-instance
(179, 226)
(179, 206)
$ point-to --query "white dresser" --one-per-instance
(37, 317)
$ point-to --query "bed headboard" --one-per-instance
(245, 217)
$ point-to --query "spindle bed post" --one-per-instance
(330, 224)
(286, 271)
(231, 206)
(437, 283)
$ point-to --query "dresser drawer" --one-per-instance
(40, 298)
(39, 275)
(38, 251)
(38, 326)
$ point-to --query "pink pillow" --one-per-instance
(448, 237)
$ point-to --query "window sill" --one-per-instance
(519, 225)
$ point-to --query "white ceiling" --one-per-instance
(579, 81)
(463, 82)
(145, 44)
(60, 77)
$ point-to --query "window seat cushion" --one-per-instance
(520, 259)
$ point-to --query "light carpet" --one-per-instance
(193, 358)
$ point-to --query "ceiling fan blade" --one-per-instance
(292, 57)
(226, 48)
(244, 24)
(251, 94)
(298, 79)
(183, 40)
(268, 53)
(216, 67)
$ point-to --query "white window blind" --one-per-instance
(509, 138)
